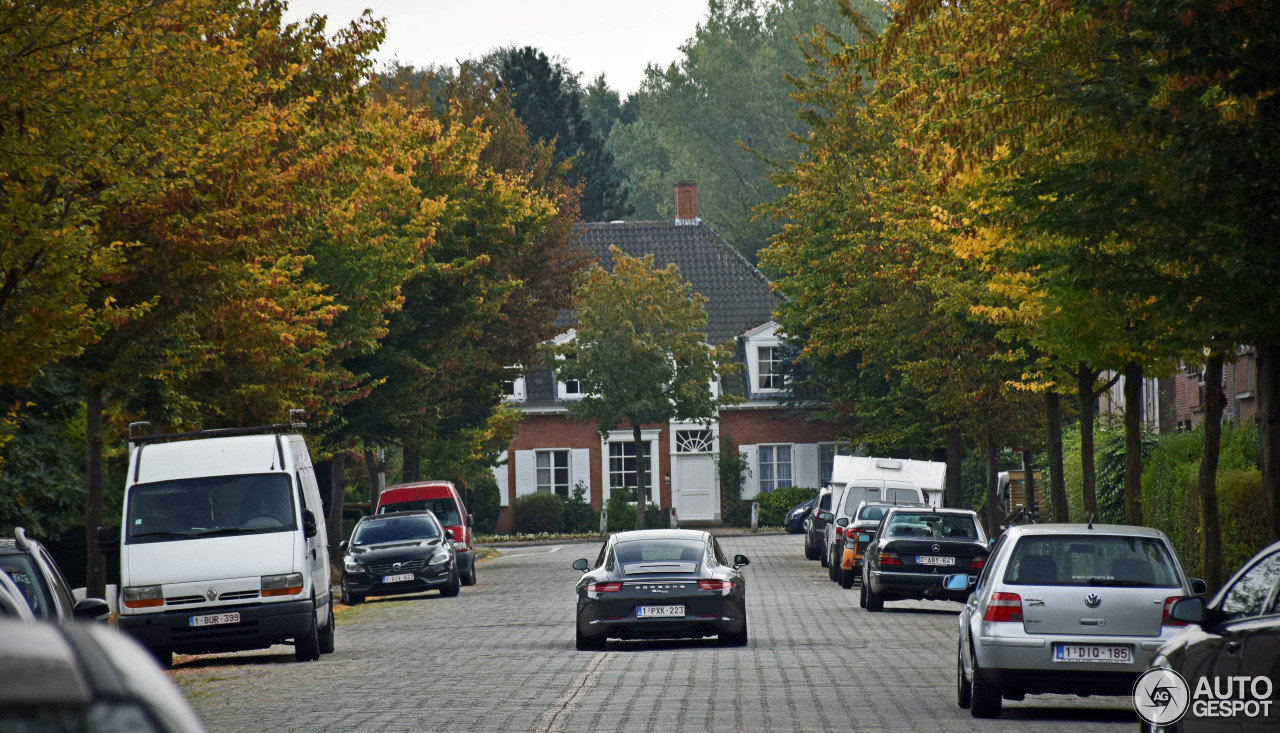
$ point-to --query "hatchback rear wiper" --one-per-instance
(1120, 583)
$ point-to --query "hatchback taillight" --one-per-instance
(839, 531)
(604, 587)
(1004, 607)
(1165, 620)
(715, 584)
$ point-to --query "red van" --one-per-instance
(440, 498)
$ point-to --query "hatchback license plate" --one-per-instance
(397, 578)
(659, 611)
(214, 619)
(1109, 653)
(934, 560)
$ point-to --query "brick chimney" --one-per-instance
(686, 203)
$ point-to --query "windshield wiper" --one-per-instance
(1120, 583)
(226, 531)
(168, 535)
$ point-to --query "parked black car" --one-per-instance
(403, 552)
(84, 677)
(1237, 633)
(815, 527)
(794, 523)
(663, 584)
(46, 591)
(915, 548)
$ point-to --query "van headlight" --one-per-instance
(143, 596)
(289, 584)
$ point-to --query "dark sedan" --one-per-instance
(661, 584)
(794, 522)
(404, 552)
(915, 548)
(1236, 636)
(815, 527)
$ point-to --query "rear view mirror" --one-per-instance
(1199, 587)
(740, 561)
(448, 534)
(991, 541)
(342, 545)
(582, 564)
(1188, 610)
(956, 582)
(825, 516)
(843, 521)
(308, 523)
(471, 520)
(91, 609)
(108, 539)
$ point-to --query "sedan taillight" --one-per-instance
(887, 559)
(977, 563)
(1004, 607)
(604, 587)
(715, 584)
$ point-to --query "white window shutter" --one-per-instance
(750, 483)
(804, 466)
(580, 470)
(500, 475)
(526, 476)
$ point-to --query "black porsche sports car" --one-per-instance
(661, 584)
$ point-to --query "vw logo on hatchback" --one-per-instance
(1092, 600)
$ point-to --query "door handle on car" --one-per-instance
(1233, 646)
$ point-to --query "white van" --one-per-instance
(855, 479)
(223, 544)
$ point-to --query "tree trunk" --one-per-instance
(1085, 377)
(96, 567)
(991, 508)
(337, 498)
(412, 470)
(1133, 413)
(375, 477)
(1053, 448)
(955, 456)
(642, 496)
(1029, 481)
(1268, 417)
(1214, 404)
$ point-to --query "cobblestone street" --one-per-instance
(500, 657)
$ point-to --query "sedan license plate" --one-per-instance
(1109, 653)
(397, 578)
(659, 611)
(214, 619)
(934, 560)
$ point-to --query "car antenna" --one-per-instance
(1090, 520)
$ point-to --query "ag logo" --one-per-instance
(1161, 696)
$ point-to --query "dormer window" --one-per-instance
(513, 388)
(769, 370)
(763, 355)
(569, 389)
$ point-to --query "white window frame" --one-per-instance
(650, 439)
(538, 485)
(763, 337)
(835, 445)
(517, 393)
(760, 464)
(562, 388)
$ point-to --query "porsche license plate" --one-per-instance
(397, 578)
(934, 560)
(214, 619)
(659, 611)
(1109, 653)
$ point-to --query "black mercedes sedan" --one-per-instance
(661, 584)
(404, 552)
(915, 548)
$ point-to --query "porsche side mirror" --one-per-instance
(740, 561)
(582, 564)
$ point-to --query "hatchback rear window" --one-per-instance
(446, 510)
(1113, 560)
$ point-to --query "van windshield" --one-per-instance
(445, 509)
(210, 506)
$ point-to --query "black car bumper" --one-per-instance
(429, 577)
(260, 626)
(916, 585)
(1015, 683)
(709, 613)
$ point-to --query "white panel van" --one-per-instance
(222, 546)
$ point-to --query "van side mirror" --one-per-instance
(740, 561)
(471, 520)
(843, 521)
(108, 539)
(582, 564)
(308, 523)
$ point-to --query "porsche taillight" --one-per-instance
(604, 587)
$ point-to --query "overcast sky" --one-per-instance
(615, 37)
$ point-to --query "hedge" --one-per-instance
(482, 502)
(775, 504)
(537, 513)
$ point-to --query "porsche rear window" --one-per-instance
(640, 551)
(1084, 560)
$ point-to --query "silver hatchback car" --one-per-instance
(1066, 608)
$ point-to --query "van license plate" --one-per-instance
(660, 612)
(397, 578)
(214, 619)
(934, 560)
(1109, 653)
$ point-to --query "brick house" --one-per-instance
(552, 453)
(1239, 380)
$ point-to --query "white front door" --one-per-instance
(694, 492)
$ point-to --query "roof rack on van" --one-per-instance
(139, 431)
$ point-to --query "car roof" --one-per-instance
(1126, 530)
(926, 509)
(399, 515)
(661, 534)
(51, 672)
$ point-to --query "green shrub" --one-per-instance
(482, 501)
(622, 513)
(973, 475)
(578, 516)
(535, 513)
(1108, 465)
(775, 504)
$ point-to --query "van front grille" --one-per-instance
(183, 600)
